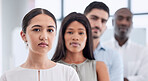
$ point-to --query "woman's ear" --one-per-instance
(23, 35)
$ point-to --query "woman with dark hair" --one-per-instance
(38, 31)
(75, 48)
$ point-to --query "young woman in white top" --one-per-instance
(38, 31)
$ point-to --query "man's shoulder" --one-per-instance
(107, 51)
(110, 51)
(135, 45)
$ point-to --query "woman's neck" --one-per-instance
(76, 58)
(37, 61)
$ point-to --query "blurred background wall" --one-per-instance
(12, 12)
(13, 51)
(0, 38)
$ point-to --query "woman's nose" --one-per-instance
(43, 36)
(75, 37)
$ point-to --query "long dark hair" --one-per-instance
(60, 52)
(34, 12)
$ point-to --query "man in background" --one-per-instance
(98, 14)
(131, 52)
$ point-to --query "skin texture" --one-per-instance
(39, 36)
(122, 23)
(102, 71)
(75, 41)
(125, 79)
(75, 37)
(97, 19)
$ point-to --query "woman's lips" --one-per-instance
(75, 44)
(43, 44)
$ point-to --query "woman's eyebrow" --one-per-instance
(36, 26)
(41, 26)
(81, 29)
(69, 29)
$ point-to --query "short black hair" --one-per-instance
(97, 5)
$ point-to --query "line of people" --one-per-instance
(79, 56)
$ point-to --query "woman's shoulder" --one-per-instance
(66, 71)
(91, 61)
(100, 65)
(10, 72)
(13, 70)
(63, 66)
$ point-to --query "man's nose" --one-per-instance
(124, 22)
(98, 24)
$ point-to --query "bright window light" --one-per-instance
(139, 6)
(80, 5)
(54, 6)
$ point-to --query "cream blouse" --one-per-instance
(59, 72)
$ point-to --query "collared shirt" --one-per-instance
(113, 61)
(132, 59)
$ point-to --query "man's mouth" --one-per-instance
(123, 29)
(96, 29)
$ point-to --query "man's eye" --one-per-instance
(50, 30)
(128, 19)
(120, 18)
(36, 29)
(104, 21)
(93, 18)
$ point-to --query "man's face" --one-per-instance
(97, 19)
(122, 23)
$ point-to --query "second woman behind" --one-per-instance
(75, 48)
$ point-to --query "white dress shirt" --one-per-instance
(134, 59)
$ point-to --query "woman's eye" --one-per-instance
(50, 30)
(81, 33)
(70, 32)
(36, 29)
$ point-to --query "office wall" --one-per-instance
(12, 13)
(0, 38)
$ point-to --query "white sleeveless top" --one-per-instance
(59, 72)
